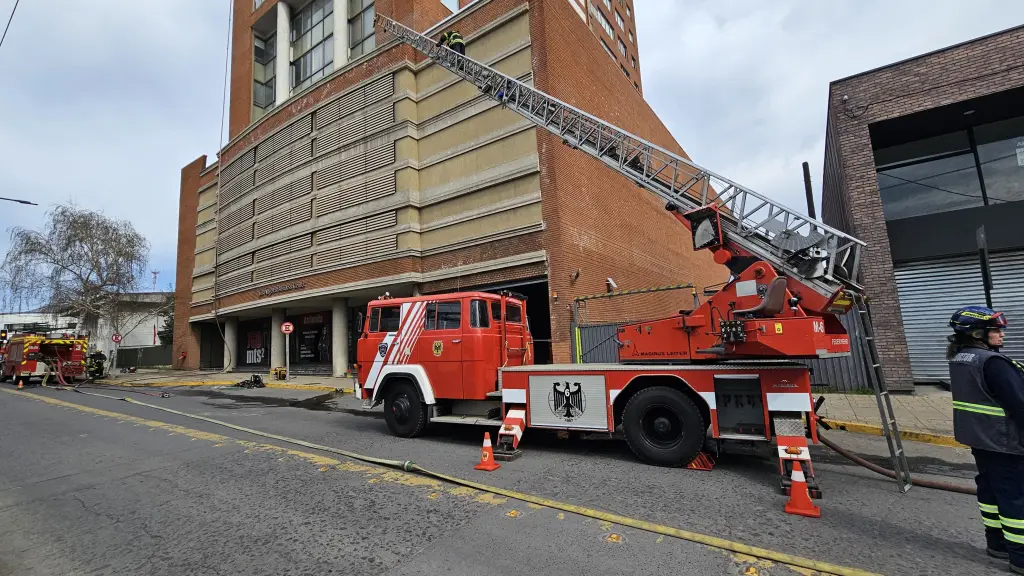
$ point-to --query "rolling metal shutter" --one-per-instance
(930, 291)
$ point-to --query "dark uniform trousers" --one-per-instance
(1001, 499)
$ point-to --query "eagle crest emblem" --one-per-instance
(438, 347)
(567, 401)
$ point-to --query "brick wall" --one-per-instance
(983, 67)
(597, 220)
(186, 339)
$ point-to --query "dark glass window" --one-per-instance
(1001, 154)
(385, 319)
(478, 317)
(312, 43)
(496, 311)
(928, 177)
(513, 313)
(443, 316)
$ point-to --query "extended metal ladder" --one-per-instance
(826, 259)
(873, 366)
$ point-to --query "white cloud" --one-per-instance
(104, 101)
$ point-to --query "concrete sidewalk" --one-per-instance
(929, 410)
(158, 378)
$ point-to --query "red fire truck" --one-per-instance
(723, 370)
(27, 355)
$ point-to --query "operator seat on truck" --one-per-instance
(772, 304)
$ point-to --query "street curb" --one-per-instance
(876, 430)
(284, 386)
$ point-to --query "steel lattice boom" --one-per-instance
(825, 259)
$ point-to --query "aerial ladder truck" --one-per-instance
(725, 370)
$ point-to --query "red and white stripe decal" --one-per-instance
(513, 426)
(399, 344)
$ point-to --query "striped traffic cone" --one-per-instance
(799, 498)
(487, 462)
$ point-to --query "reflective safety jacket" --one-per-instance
(450, 39)
(979, 421)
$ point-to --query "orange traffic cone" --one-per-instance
(487, 463)
(21, 386)
(799, 499)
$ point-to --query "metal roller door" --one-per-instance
(930, 291)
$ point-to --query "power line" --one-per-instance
(9, 22)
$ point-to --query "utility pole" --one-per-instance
(155, 274)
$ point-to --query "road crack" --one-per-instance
(114, 517)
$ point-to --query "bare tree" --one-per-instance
(82, 264)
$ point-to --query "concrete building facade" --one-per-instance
(380, 172)
(918, 156)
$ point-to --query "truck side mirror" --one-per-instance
(359, 324)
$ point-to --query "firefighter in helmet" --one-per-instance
(452, 39)
(988, 416)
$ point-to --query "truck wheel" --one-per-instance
(405, 415)
(663, 427)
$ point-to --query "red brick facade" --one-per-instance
(597, 220)
(850, 198)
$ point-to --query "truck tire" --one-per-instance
(405, 414)
(663, 427)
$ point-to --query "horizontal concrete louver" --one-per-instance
(234, 264)
(285, 193)
(357, 227)
(357, 251)
(356, 194)
(234, 282)
(355, 129)
(232, 219)
(355, 101)
(237, 166)
(284, 137)
(283, 268)
(234, 239)
(285, 161)
(282, 220)
(355, 165)
(293, 245)
(239, 186)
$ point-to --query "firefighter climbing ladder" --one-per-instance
(825, 259)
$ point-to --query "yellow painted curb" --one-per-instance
(163, 384)
(279, 385)
(876, 430)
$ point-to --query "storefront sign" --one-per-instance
(263, 293)
(255, 349)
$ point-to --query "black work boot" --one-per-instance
(1016, 569)
(996, 553)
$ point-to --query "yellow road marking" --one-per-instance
(489, 494)
(876, 430)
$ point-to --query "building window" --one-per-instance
(622, 47)
(629, 13)
(624, 71)
(607, 49)
(263, 80)
(361, 39)
(633, 62)
(635, 85)
(256, 4)
(599, 16)
(1001, 155)
(312, 43)
(618, 20)
(631, 40)
(928, 176)
(608, 4)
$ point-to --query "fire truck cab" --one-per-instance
(436, 358)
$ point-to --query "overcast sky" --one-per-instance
(103, 101)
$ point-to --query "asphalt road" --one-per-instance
(92, 485)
